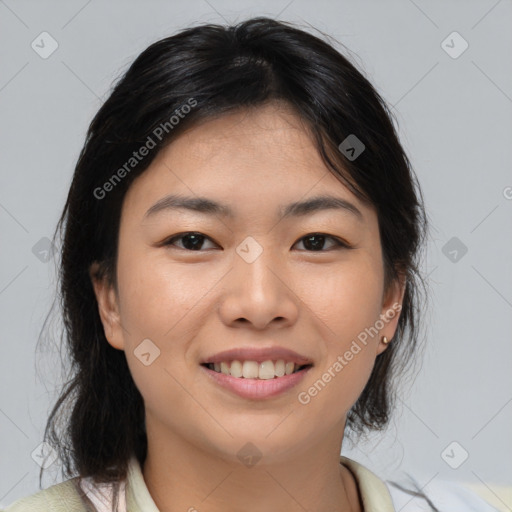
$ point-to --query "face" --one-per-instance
(310, 281)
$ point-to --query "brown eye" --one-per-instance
(315, 242)
(191, 241)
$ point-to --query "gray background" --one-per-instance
(455, 123)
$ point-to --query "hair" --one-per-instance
(196, 75)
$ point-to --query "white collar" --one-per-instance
(135, 496)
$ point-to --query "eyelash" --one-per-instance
(340, 244)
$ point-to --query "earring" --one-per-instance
(385, 340)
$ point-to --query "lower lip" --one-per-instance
(257, 389)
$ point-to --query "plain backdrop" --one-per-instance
(453, 105)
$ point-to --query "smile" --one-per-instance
(272, 381)
(265, 370)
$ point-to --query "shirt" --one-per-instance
(442, 495)
(82, 495)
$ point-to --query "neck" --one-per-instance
(182, 477)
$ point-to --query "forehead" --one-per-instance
(263, 155)
(270, 137)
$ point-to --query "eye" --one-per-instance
(315, 241)
(192, 240)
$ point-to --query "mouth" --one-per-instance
(265, 370)
(252, 380)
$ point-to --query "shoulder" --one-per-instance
(373, 491)
(62, 497)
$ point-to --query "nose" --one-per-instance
(259, 293)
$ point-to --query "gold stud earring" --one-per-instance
(385, 340)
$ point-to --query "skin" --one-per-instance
(192, 304)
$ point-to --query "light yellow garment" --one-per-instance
(65, 497)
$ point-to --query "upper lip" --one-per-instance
(258, 354)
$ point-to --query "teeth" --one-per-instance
(253, 370)
(250, 370)
(279, 368)
(265, 370)
(236, 369)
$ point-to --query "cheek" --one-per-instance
(156, 294)
(156, 300)
(164, 302)
(346, 306)
(346, 297)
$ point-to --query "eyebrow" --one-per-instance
(295, 209)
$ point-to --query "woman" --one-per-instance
(239, 281)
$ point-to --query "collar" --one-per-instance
(374, 492)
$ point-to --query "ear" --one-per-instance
(391, 309)
(108, 307)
